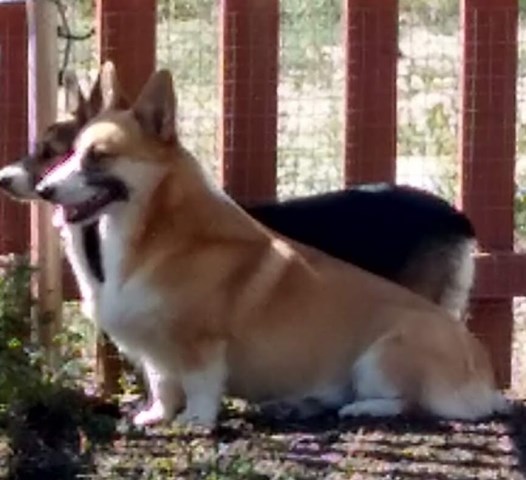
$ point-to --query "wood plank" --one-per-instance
(487, 154)
(500, 275)
(249, 83)
(134, 57)
(14, 216)
(371, 56)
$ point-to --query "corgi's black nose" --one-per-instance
(5, 181)
(47, 192)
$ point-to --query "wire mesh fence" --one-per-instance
(311, 86)
(13, 126)
(310, 96)
(428, 95)
(76, 44)
(188, 45)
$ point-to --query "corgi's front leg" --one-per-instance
(166, 397)
(203, 385)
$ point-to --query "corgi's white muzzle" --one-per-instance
(83, 194)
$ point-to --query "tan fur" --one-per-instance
(289, 318)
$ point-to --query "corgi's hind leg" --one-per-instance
(469, 402)
(459, 383)
(375, 394)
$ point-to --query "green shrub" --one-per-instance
(19, 357)
(24, 376)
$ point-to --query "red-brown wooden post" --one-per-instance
(371, 49)
(249, 81)
(126, 35)
(14, 217)
(487, 145)
(126, 32)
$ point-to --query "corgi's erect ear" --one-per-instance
(92, 105)
(155, 109)
(74, 98)
(111, 92)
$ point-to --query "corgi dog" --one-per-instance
(211, 302)
(401, 233)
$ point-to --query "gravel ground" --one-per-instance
(248, 446)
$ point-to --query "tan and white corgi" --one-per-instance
(211, 302)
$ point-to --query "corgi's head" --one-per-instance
(19, 178)
(118, 157)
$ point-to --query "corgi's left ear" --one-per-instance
(93, 103)
(111, 91)
(155, 109)
(74, 99)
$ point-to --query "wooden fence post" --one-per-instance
(371, 51)
(133, 54)
(249, 83)
(487, 149)
(42, 97)
(14, 217)
(126, 35)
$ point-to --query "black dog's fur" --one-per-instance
(377, 227)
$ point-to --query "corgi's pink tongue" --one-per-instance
(59, 217)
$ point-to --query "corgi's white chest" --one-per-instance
(127, 309)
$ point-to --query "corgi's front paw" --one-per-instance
(151, 415)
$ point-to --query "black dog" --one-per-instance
(404, 234)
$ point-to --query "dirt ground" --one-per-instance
(249, 446)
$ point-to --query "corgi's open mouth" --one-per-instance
(107, 191)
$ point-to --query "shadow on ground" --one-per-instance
(248, 445)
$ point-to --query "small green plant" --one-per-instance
(20, 358)
(24, 376)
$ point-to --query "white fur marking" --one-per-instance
(469, 403)
(155, 413)
(203, 391)
(65, 172)
(163, 397)
(89, 286)
(456, 297)
(367, 377)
